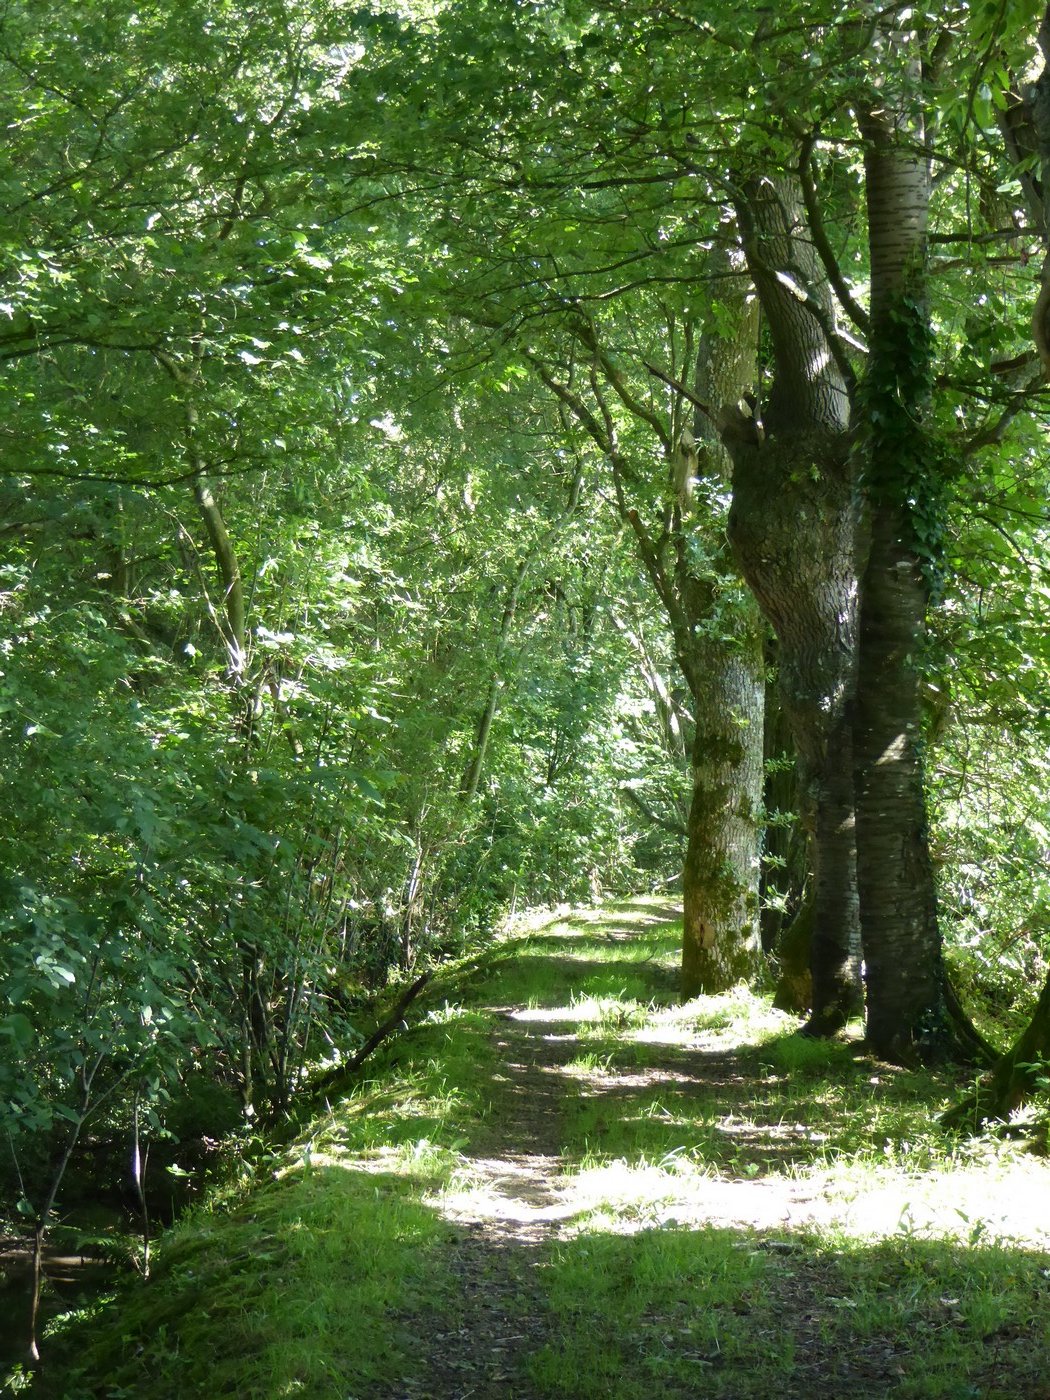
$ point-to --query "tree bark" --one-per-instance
(715, 631)
(899, 924)
(233, 604)
(793, 528)
(721, 942)
(786, 875)
(1025, 125)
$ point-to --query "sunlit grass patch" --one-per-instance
(633, 948)
(433, 1084)
(977, 1198)
(639, 915)
(649, 1296)
(734, 1018)
(619, 1194)
(617, 1012)
(300, 1289)
(540, 979)
(642, 1126)
(660, 944)
(591, 1065)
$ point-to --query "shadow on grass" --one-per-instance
(751, 1110)
(315, 1286)
(734, 1315)
(341, 1282)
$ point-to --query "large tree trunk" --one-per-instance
(786, 870)
(793, 529)
(1025, 125)
(714, 626)
(720, 883)
(720, 944)
(902, 947)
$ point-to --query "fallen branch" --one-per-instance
(382, 1032)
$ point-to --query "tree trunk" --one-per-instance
(902, 947)
(720, 944)
(793, 528)
(471, 779)
(1025, 125)
(233, 604)
(714, 627)
(794, 991)
(786, 858)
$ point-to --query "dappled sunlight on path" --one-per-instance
(616, 1114)
(606, 1102)
(784, 1184)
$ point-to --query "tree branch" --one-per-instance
(821, 243)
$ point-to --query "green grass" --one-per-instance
(313, 1271)
(268, 1299)
(690, 1134)
(657, 1312)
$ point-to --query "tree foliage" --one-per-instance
(376, 385)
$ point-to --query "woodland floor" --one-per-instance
(635, 1200)
(521, 1197)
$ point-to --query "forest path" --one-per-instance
(518, 1196)
(558, 1174)
(507, 1205)
(561, 1184)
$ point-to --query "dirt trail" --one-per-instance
(515, 1202)
(509, 1212)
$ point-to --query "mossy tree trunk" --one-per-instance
(714, 624)
(1016, 1077)
(721, 942)
(793, 529)
(726, 682)
(902, 948)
